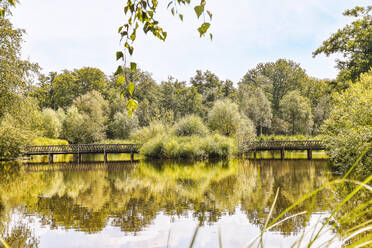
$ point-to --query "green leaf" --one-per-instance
(120, 80)
(181, 17)
(131, 88)
(130, 114)
(132, 105)
(211, 36)
(133, 66)
(133, 36)
(199, 10)
(210, 14)
(204, 28)
(173, 11)
(119, 55)
(119, 70)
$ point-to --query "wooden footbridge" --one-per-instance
(282, 146)
(105, 149)
(81, 149)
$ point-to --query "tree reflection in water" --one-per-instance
(130, 197)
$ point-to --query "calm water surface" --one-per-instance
(155, 204)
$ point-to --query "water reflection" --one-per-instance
(133, 197)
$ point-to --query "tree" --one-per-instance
(121, 126)
(276, 79)
(348, 131)
(51, 124)
(255, 105)
(189, 126)
(354, 43)
(296, 111)
(73, 126)
(15, 73)
(224, 117)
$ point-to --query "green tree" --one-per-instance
(255, 105)
(189, 126)
(68, 85)
(73, 126)
(276, 79)
(51, 123)
(296, 110)
(224, 117)
(15, 73)
(348, 131)
(353, 42)
(121, 126)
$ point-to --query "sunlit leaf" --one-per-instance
(199, 10)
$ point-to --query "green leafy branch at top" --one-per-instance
(141, 13)
(2, 10)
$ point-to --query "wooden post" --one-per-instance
(309, 154)
(50, 158)
(79, 157)
(255, 154)
(131, 156)
(105, 157)
(282, 154)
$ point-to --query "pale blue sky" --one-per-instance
(71, 34)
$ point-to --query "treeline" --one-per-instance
(85, 105)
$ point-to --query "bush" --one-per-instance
(189, 126)
(12, 139)
(348, 131)
(51, 123)
(141, 136)
(193, 147)
(224, 117)
(246, 133)
(122, 126)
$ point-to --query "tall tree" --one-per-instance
(276, 79)
(254, 104)
(296, 111)
(354, 42)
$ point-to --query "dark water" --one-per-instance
(154, 204)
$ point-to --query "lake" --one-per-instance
(160, 204)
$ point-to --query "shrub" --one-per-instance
(224, 117)
(12, 138)
(192, 147)
(246, 133)
(141, 136)
(72, 128)
(348, 131)
(122, 126)
(51, 123)
(189, 126)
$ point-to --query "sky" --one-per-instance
(72, 34)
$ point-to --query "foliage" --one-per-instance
(296, 109)
(12, 138)
(192, 147)
(141, 136)
(190, 126)
(51, 124)
(73, 126)
(353, 42)
(348, 131)
(276, 79)
(224, 117)
(122, 126)
(45, 141)
(245, 133)
(254, 104)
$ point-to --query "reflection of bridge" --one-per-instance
(82, 166)
(81, 149)
(282, 146)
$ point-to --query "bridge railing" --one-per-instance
(285, 144)
(82, 148)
